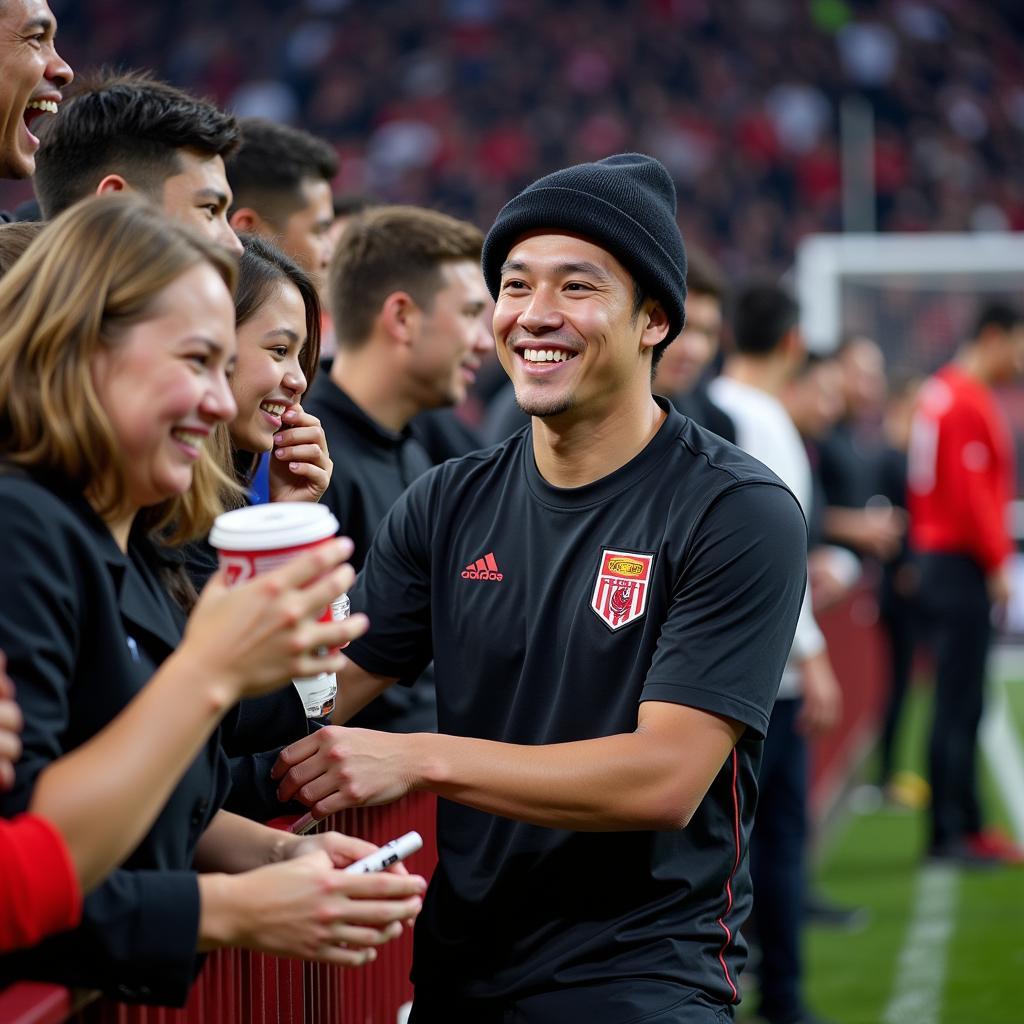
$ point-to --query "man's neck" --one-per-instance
(972, 361)
(766, 374)
(372, 388)
(572, 451)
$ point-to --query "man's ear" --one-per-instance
(245, 218)
(399, 317)
(112, 183)
(655, 324)
(793, 344)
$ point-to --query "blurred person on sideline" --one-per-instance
(609, 597)
(813, 401)
(680, 373)
(107, 405)
(960, 485)
(849, 458)
(898, 592)
(769, 350)
(408, 301)
(277, 319)
(281, 180)
(129, 132)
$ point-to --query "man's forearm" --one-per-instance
(653, 778)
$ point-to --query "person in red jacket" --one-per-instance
(961, 482)
(39, 890)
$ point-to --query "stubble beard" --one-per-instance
(545, 406)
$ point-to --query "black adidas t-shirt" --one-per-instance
(550, 615)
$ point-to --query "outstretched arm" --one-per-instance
(651, 778)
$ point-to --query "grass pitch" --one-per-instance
(872, 861)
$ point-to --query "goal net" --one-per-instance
(917, 296)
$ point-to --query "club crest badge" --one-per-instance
(620, 593)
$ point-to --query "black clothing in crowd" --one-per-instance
(84, 626)
(372, 468)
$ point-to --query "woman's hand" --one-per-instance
(342, 849)
(259, 634)
(300, 464)
(306, 907)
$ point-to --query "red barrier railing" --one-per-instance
(237, 987)
(247, 988)
(857, 649)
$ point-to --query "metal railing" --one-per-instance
(238, 987)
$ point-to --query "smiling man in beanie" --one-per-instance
(609, 597)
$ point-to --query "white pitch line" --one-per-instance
(917, 993)
(1001, 744)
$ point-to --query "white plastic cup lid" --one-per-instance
(273, 527)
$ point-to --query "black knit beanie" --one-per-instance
(624, 203)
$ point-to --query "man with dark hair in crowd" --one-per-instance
(960, 485)
(680, 374)
(130, 132)
(408, 299)
(609, 597)
(769, 350)
(281, 178)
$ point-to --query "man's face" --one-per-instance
(31, 72)
(452, 338)
(683, 362)
(199, 196)
(815, 399)
(863, 377)
(565, 329)
(1011, 355)
(306, 233)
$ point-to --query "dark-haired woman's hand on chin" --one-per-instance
(300, 464)
(256, 635)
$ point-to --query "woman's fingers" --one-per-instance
(310, 453)
(355, 937)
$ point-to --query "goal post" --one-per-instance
(955, 266)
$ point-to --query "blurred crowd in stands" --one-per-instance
(456, 104)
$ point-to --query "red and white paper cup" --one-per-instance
(260, 538)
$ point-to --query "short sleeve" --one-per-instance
(734, 610)
(393, 588)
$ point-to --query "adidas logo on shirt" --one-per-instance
(485, 568)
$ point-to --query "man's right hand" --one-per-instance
(999, 588)
(822, 697)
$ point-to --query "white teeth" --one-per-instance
(546, 355)
(274, 408)
(192, 439)
(45, 105)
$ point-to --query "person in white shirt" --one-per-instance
(768, 351)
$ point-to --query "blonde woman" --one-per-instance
(117, 336)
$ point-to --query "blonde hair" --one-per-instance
(96, 270)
